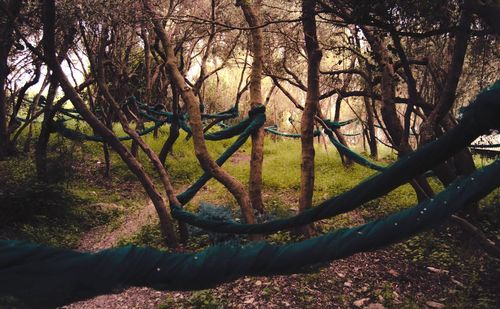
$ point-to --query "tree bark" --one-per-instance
(370, 123)
(174, 127)
(314, 55)
(252, 12)
(107, 160)
(134, 165)
(201, 151)
(447, 97)
(388, 110)
(45, 131)
(6, 43)
(430, 125)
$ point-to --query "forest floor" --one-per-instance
(382, 279)
(100, 237)
(387, 278)
(84, 211)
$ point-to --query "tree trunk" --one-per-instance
(6, 42)
(371, 136)
(45, 131)
(388, 110)
(107, 161)
(49, 113)
(314, 55)
(447, 97)
(174, 127)
(49, 48)
(201, 151)
(252, 12)
(437, 116)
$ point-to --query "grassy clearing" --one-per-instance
(281, 175)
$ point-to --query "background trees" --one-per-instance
(401, 69)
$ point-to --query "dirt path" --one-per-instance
(100, 237)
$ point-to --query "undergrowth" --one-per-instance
(59, 213)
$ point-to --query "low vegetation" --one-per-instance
(61, 213)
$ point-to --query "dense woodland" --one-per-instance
(109, 110)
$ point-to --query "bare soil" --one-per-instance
(380, 279)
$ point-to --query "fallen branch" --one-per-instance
(487, 244)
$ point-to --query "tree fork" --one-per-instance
(201, 151)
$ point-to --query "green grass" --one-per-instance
(281, 175)
(61, 212)
(47, 213)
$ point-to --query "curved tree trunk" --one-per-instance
(174, 127)
(438, 116)
(49, 113)
(447, 97)
(388, 110)
(134, 165)
(201, 151)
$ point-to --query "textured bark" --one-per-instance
(201, 151)
(166, 220)
(252, 12)
(45, 131)
(314, 55)
(137, 139)
(430, 126)
(388, 110)
(414, 97)
(447, 96)
(98, 126)
(174, 127)
(370, 123)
